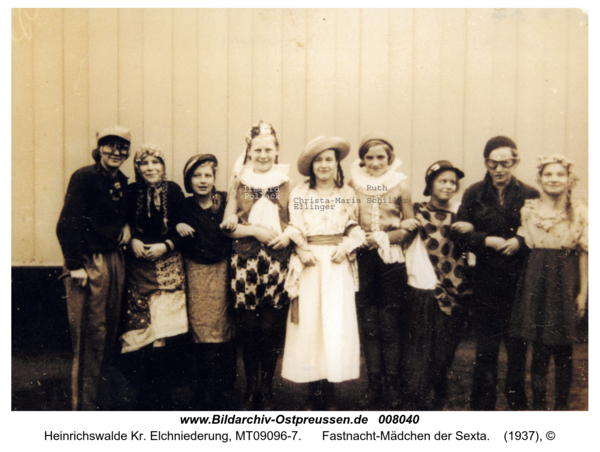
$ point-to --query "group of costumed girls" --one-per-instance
(323, 269)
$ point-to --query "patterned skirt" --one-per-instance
(155, 301)
(258, 281)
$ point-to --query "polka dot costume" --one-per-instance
(448, 259)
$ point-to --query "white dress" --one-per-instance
(324, 344)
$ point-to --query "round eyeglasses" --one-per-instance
(506, 163)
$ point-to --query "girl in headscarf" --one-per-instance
(155, 282)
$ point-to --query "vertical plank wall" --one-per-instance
(437, 82)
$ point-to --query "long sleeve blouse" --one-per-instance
(209, 245)
(380, 200)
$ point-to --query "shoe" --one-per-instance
(559, 406)
(373, 393)
(315, 400)
(268, 400)
(329, 396)
(538, 402)
(516, 401)
(393, 396)
(251, 402)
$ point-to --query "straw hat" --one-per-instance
(318, 145)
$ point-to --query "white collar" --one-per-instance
(361, 178)
(272, 178)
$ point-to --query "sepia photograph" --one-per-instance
(331, 212)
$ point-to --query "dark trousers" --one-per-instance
(152, 373)
(213, 372)
(494, 293)
(380, 304)
(94, 316)
(563, 374)
(261, 335)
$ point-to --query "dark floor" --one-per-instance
(41, 359)
(41, 381)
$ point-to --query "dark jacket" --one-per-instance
(481, 207)
(93, 215)
(152, 228)
(209, 245)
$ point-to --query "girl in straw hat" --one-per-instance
(322, 342)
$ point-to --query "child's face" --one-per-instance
(502, 173)
(376, 161)
(324, 165)
(263, 152)
(554, 179)
(152, 169)
(203, 180)
(444, 186)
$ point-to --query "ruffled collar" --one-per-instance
(544, 219)
(361, 178)
(272, 178)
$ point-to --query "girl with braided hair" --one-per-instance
(552, 295)
(256, 217)
(155, 282)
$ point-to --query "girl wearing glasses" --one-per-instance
(92, 229)
(492, 206)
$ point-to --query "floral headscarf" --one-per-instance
(155, 193)
(144, 151)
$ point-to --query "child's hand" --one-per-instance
(125, 235)
(462, 227)
(230, 223)
(581, 302)
(279, 242)
(339, 254)
(495, 243)
(511, 247)
(307, 257)
(185, 230)
(155, 251)
(138, 249)
(264, 235)
(370, 240)
(80, 276)
(410, 225)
